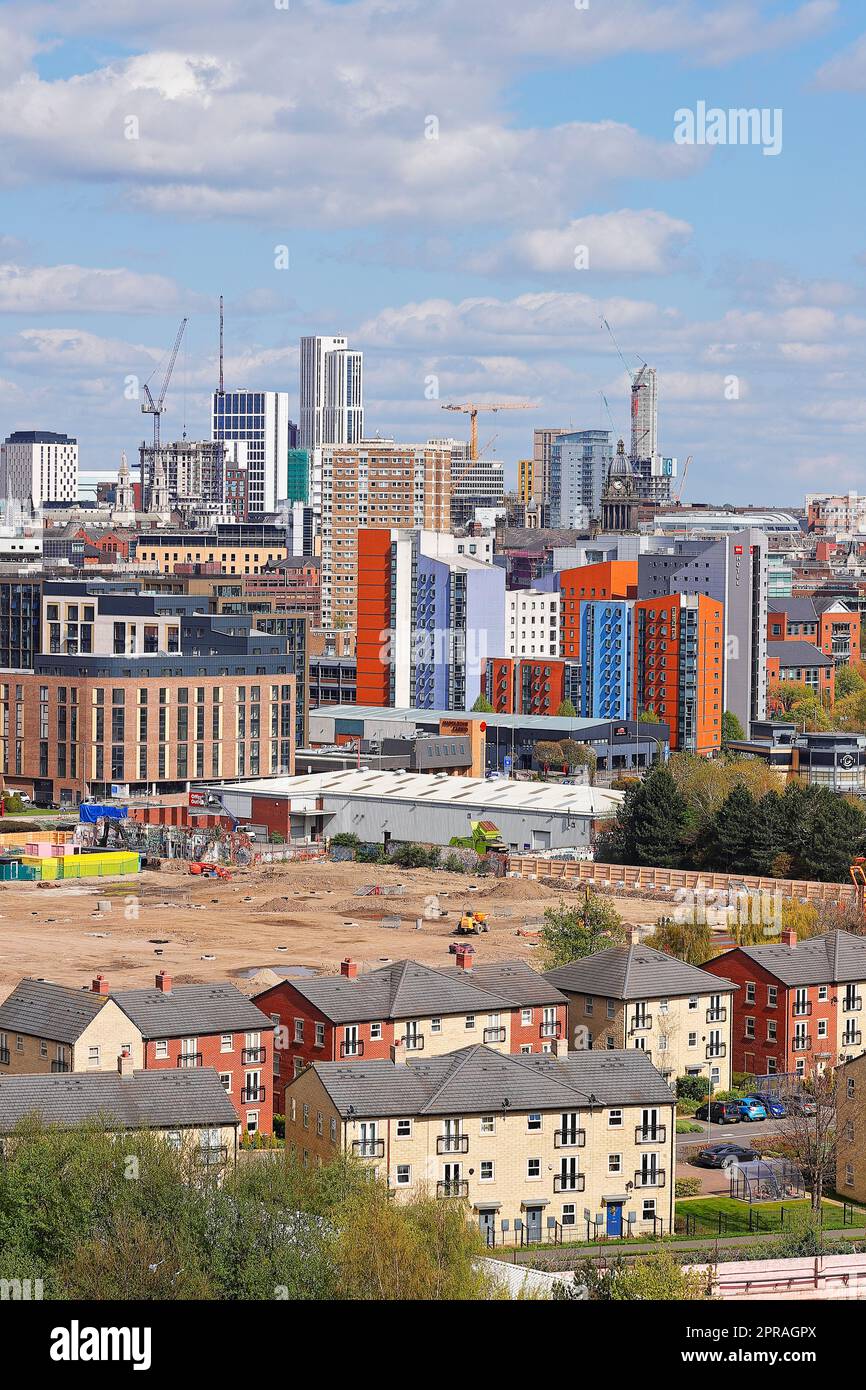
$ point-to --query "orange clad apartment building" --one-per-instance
(678, 673)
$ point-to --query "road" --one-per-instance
(746, 1132)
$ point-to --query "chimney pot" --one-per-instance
(100, 985)
(636, 936)
(463, 958)
(398, 1052)
(163, 982)
(124, 1062)
(789, 937)
(349, 968)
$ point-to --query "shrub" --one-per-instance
(280, 1126)
(415, 857)
(693, 1088)
(687, 1105)
(346, 839)
(454, 864)
(687, 1187)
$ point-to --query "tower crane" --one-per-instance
(679, 493)
(471, 408)
(148, 407)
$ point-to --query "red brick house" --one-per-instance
(799, 1007)
(211, 1025)
(505, 1005)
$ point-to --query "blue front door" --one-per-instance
(614, 1218)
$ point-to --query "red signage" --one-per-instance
(738, 550)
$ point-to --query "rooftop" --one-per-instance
(635, 972)
(835, 958)
(40, 1009)
(190, 1011)
(145, 1100)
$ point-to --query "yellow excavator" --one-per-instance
(471, 923)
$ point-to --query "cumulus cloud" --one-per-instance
(75, 288)
(625, 242)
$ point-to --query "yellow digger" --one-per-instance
(472, 923)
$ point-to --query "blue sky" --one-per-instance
(260, 127)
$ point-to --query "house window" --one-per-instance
(849, 1087)
(533, 1121)
(306, 1120)
(693, 1039)
(526, 1049)
(750, 1027)
(320, 1123)
(435, 1025)
(43, 1048)
(404, 1129)
(226, 1079)
(771, 1030)
(294, 1110)
(533, 1167)
(526, 1017)
(822, 1027)
(333, 1130)
(488, 1124)
(569, 1214)
(226, 1042)
(588, 1004)
(470, 1021)
(849, 1131)
(252, 1121)
(614, 1163)
(320, 1035)
(849, 1174)
(299, 1030)
(404, 1174)
(693, 1002)
(375, 1032)
(93, 1056)
(648, 1212)
(614, 1119)
(822, 993)
(487, 1170)
(772, 996)
(750, 991)
(611, 1008)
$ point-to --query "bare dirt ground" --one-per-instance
(305, 914)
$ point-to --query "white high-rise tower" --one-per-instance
(331, 394)
(644, 414)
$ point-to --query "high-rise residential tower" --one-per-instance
(261, 419)
(37, 466)
(644, 414)
(332, 393)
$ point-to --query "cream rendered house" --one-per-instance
(54, 1028)
(637, 997)
(536, 1146)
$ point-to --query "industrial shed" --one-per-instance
(421, 808)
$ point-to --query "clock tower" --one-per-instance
(619, 500)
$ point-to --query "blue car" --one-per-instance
(772, 1104)
(751, 1109)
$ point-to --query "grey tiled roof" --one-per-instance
(831, 959)
(797, 653)
(635, 972)
(145, 1100)
(513, 980)
(40, 1009)
(797, 610)
(191, 1011)
(405, 989)
(477, 1080)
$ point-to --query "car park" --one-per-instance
(774, 1105)
(722, 1155)
(720, 1112)
(752, 1109)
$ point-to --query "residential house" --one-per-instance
(507, 1006)
(530, 1142)
(56, 1028)
(637, 997)
(851, 1129)
(799, 1006)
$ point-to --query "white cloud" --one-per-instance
(83, 289)
(625, 242)
(846, 72)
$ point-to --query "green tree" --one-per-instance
(849, 681)
(732, 729)
(547, 753)
(659, 820)
(566, 710)
(569, 933)
(833, 834)
(576, 754)
(731, 835)
(482, 706)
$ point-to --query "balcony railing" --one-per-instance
(368, 1148)
(852, 1039)
(453, 1187)
(452, 1143)
(652, 1177)
(4, 1056)
(719, 1015)
(189, 1059)
(55, 1065)
(716, 1050)
(352, 1049)
(569, 1182)
(852, 1002)
(802, 1008)
(640, 1023)
(414, 1042)
(569, 1138)
(252, 1055)
(802, 1042)
(251, 1095)
(551, 1030)
(650, 1134)
(494, 1035)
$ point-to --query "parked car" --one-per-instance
(774, 1107)
(721, 1112)
(752, 1109)
(801, 1105)
(719, 1155)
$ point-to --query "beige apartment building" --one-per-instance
(530, 1143)
(636, 997)
(851, 1129)
(55, 1028)
(379, 484)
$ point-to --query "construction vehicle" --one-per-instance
(483, 837)
(209, 870)
(471, 923)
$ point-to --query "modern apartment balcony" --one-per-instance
(852, 1039)
(55, 1065)
(653, 1177)
(352, 1049)
(368, 1148)
(640, 1023)
(415, 1042)
(802, 1008)
(252, 1095)
(852, 1003)
(717, 1015)
(551, 1030)
(802, 1042)
(569, 1182)
(716, 1050)
(252, 1055)
(189, 1059)
(453, 1187)
(650, 1134)
(452, 1143)
(569, 1138)
(494, 1035)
